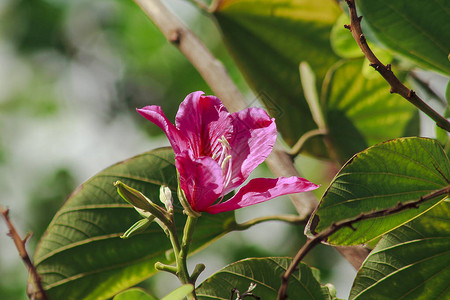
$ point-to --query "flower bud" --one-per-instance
(165, 195)
(138, 200)
(132, 196)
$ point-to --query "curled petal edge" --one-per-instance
(155, 114)
(262, 189)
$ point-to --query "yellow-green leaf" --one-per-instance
(268, 39)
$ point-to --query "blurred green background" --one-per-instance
(71, 76)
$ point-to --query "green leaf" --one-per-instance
(411, 262)
(179, 293)
(418, 30)
(377, 178)
(81, 255)
(268, 39)
(266, 274)
(134, 294)
(361, 112)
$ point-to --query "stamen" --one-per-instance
(222, 155)
(224, 142)
(227, 172)
(224, 162)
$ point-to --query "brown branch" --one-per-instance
(385, 70)
(20, 245)
(216, 76)
(323, 235)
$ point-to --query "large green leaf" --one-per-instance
(419, 30)
(377, 178)
(411, 262)
(268, 39)
(266, 274)
(81, 255)
(361, 112)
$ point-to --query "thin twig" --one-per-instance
(20, 245)
(216, 76)
(323, 235)
(396, 85)
(292, 219)
(298, 147)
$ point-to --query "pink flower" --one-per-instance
(216, 151)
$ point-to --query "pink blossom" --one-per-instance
(216, 151)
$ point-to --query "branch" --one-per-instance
(20, 245)
(396, 85)
(216, 76)
(323, 235)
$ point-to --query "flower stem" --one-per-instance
(181, 252)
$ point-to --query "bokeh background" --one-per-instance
(71, 75)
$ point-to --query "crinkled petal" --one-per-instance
(203, 120)
(155, 114)
(262, 189)
(201, 179)
(253, 138)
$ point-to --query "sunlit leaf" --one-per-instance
(266, 274)
(418, 30)
(411, 262)
(134, 294)
(179, 293)
(361, 112)
(81, 255)
(268, 40)
(380, 177)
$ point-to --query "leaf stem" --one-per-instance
(298, 147)
(334, 227)
(308, 80)
(396, 85)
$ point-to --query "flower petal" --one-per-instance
(254, 135)
(201, 179)
(203, 120)
(155, 114)
(262, 189)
